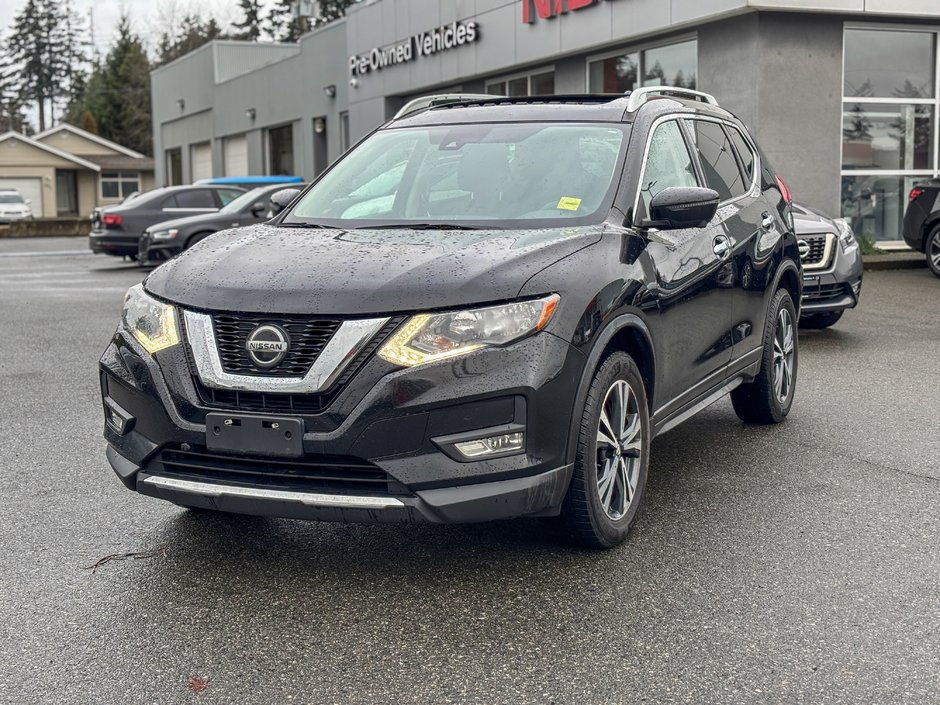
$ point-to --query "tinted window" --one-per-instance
(745, 153)
(197, 198)
(169, 202)
(718, 163)
(668, 164)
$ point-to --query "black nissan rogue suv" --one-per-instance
(487, 309)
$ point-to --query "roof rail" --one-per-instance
(641, 95)
(429, 101)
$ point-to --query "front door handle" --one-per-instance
(767, 222)
(722, 246)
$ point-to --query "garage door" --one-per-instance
(200, 157)
(235, 155)
(29, 188)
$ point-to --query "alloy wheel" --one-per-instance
(618, 449)
(784, 351)
(933, 251)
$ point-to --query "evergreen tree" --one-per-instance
(250, 26)
(46, 53)
(331, 10)
(281, 25)
(116, 100)
(193, 33)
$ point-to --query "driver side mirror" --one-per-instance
(258, 210)
(686, 207)
(283, 198)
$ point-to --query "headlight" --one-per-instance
(152, 323)
(164, 234)
(846, 236)
(428, 337)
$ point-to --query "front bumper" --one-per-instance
(6, 218)
(838, 287)
(112, 242)
(386, 423)
(150, 251)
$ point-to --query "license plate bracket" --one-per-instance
(248, 434)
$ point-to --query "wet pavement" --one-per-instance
(793, 564)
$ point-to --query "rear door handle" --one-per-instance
(767, 222)
(722, 246)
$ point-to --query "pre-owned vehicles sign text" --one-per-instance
(448, 36)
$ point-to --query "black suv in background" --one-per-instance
(116, 230)
(922, 222)
(543, 286)
(168, 238)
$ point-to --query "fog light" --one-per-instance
(117, 417)
(506, 443)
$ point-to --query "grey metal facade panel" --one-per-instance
(233, 59)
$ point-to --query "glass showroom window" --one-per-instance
(669, 65)
(541, 82)
(119, 184)
(889, 125)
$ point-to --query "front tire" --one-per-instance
(819, 321)
(768, 398)
(932, 250)
(612, 457)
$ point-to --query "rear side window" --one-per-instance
(169, 202)
(197, 198)
(227, 195)
(745, 153)
(668, 164)
(718, 161)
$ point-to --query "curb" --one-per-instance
(886, 262)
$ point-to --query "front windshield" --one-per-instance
(11, 198)
(485, 175)
(245, 199)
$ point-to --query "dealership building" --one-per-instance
(843, 95)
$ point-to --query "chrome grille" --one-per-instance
(308, 336)
(819, 254)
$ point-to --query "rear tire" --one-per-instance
(768, 398)
(818, 321)
(932, 250)
(612, 457)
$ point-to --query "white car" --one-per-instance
(13, 206)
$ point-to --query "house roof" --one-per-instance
(91, 137)
(120, 162)
(51, 150)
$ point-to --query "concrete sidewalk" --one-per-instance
(895, 260)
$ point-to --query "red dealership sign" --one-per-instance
(546, 9)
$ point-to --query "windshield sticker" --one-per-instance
(567, 203)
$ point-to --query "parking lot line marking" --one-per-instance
(51, 253)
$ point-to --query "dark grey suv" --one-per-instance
(116, 230)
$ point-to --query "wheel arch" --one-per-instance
(931, 223)
(788, 277)
(193, 237)
(627, 333)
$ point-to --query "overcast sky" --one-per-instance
(148, 17)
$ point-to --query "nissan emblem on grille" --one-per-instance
(804, 249)
(267, 345)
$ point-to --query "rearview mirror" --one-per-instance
(688, 207)
(281, 199)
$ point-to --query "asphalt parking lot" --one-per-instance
(794, 564)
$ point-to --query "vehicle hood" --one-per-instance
(270, 269)
(807, 220)
(214, 218)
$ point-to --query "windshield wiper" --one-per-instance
(301, 225)
(420, 226)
